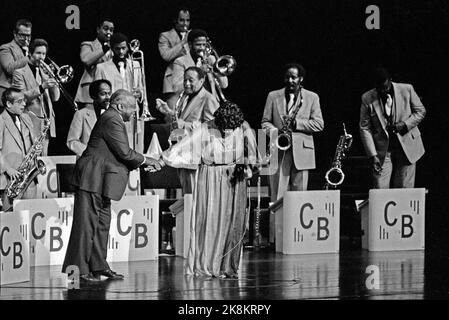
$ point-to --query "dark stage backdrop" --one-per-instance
(329, 37)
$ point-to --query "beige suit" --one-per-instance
(80, 129)
(375, 138)
(200, 109)
(11, 58)
(170, 48)
(91, 54)
(109, 71)
(25, 81)
(293, 163)
(14, 145)
(179, 67)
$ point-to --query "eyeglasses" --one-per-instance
(23, 35)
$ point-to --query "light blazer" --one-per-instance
(179, 67)
(24, 80)
(91, 54)
(12, 149)
(80, 129)
(200, 109)
(308, 120)
(170, 48)
(11, 58)
(373, 132)
(105, 164)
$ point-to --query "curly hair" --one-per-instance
(228, 116)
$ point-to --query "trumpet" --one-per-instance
(61, 75)
(223, 66)
(137, 55)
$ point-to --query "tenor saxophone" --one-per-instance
(29, 168)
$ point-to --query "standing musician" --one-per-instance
(389, 118)
(198, 56)
(14, 54)
(125, 73)
(173, 44)
(85, 119)
(92, 53)
(16, 139)
(302, 108)
(40, 90)
(188, 109)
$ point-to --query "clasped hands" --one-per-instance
(153, 165)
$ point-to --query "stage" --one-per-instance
(264, 275)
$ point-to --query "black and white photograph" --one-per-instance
(224, 158)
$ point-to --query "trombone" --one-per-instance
(223, 66)
(61, 75)
(137, 55)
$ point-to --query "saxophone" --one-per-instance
(176, 134)
(284, 139)
(335, 176)
(29, 168)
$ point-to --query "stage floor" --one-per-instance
(264, 275)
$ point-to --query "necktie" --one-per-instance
(38, 76)
(388, 105)
(121, 66)
(18, 124)
(290, 103)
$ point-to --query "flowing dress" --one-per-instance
(219, 217)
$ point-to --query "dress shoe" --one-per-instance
(109, 274)
(88, 278)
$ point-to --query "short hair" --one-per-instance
(381, 74)
(101, 20)
(38, 43)
(196, 33)
(297, 66)
(121, 96)
(7, 95)
(228, 116)
(94, 87)
(199, 71)
(22, 22)
(117, 38)
(175, 14)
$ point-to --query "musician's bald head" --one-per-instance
(125, 103)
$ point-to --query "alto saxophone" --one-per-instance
(284, 138)
(29, 168)
(335, 176)
(176, 134)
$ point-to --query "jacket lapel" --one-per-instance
(281, 104)
(378, 108)
(192, 103)
(91, 117)
(13, 130)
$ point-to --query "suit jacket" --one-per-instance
(12, 147)
(80, 129)
(200, 109)
(179, 67)
(11, 58)
(24, 80)
(104, 166)
(308, 120)
(91, 54)
(170, 48)
(373, 132)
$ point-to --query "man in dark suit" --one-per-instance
(14, 54)
(389, 118)
(101, 174)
